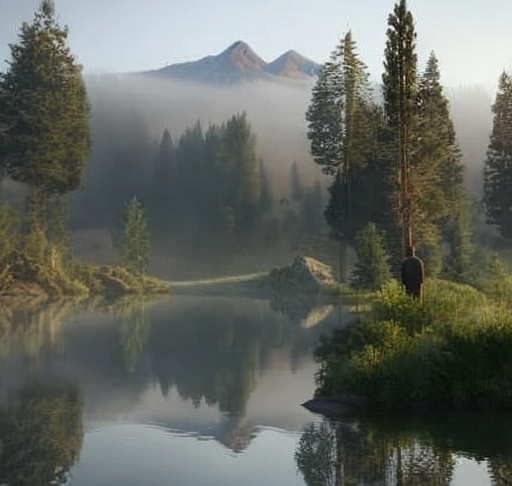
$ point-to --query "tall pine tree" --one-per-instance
(339, 120)
(399, 90)
(436, 169)
(498, 163)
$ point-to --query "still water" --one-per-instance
(207, 391)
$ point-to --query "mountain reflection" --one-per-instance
(41, 435)
(406, 449)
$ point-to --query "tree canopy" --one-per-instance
(44, 108)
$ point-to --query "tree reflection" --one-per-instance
(33, 326)
(356, 452)
(211, 356)
(41, 435)
(338, 454)
(134, 329)
(316, 456)
(500, 469)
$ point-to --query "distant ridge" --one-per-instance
(239, 63)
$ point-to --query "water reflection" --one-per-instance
(134, 330)
(406, 449)
(209, 352)
(32, 327)
(41, 434)
(230, 372)
(229, 344)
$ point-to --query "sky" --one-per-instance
(472, 39)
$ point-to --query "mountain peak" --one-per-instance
(293, 65)
(242, 56)
(240, 63)
(237, 45)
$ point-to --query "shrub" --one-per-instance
(445, 353)
(372, 268)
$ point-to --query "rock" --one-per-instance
(338, 405)
(306, 274)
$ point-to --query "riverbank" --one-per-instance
(24, 282)
(453, 352)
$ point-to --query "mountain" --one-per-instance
(239, 63)
(292, 65)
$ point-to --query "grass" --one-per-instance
(454, 351)
(254, 284)
(113, 280)
(237, 279)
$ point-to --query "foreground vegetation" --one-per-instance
(454, 351)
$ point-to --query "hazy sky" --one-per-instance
(472, 39)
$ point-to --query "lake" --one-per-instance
(195, 390)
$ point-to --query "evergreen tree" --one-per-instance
(325, 123)
(164, 177)
(497, 196)
(44, 107)
(437, 184)
(341, 132)
(399, 90)
(190, 165)
(135, 243)
(211, 180)
(241, 171)
(372, 268)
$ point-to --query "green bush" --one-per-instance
(372, 269)
(454, 351)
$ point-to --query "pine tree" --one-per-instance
(340, 121)
(399, 90)
(437, 184)
(44, 107)
(372, 268)
(163, 190)
(190, 164)
(324, 116)
(498, 164)
(135, 242)
(240, 166)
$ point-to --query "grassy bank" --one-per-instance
(240, 285)
(455, 351)
(25, 281)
